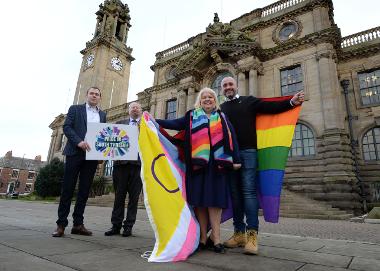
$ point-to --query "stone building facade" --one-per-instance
(277, 50)
(18, 174)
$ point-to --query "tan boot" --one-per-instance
(251, 247)
(237, 240)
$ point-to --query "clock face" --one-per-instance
(90, 60)
(116, 63)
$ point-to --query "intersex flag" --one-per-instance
(274, 138)
(174, 224)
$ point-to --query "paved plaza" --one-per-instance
(293, 244)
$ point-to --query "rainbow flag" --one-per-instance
(274, 138)
(163, 174)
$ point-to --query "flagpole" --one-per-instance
(113, 83)
(80, 87)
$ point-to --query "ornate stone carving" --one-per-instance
(215, 55)
(250, 64)
(366, 50)
(220, 67)
(326, 54)
(224, 31)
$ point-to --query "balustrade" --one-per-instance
(361, 37)
(278, 6)
(173, 50)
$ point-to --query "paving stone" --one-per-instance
(313, 267)
(135, 241)
(42, 245)
(365, 264)
(234, 258)
(118, 259)
(4, 249)
(305, 256)
(292, 244)
(25, 262)
(360, 250)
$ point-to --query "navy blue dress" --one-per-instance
(208, 186)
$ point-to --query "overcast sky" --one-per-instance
(41, 40)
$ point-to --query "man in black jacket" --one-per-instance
(126, 179)
(75, 128)
(241, 111)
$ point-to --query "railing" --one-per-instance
(361, 37)
(175, 49)
(278, 6)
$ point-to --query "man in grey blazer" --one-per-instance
(126, 179)
(75, 128)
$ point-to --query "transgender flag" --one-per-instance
(274, 138)
(173, 221)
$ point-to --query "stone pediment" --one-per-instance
(220, 43)
(58, 121)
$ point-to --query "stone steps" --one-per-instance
(292, 205)
(298, 206)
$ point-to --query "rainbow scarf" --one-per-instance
(274, 138)
(220, 134)
(173, 221)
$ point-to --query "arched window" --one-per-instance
(216, 85)
(303, 143)
(371, 144)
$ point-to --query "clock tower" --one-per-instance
(107, 59)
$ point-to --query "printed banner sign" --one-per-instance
(109, 141)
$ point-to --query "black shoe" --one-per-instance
(127, 232)
(112, 231)
(209, 243)
(219, 248)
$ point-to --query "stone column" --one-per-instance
(114, 26)
(329, 91)
(125, 33)
(181, 102)
(121, 32)
(52, 145)
(160, 111)
(241, 84)
(153, 108)
(339, 179)
(103, 23)
(253, 83)
(96, 26)
(153, 104)
(191, 95)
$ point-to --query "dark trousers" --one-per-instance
(126, 179)
(75, 166)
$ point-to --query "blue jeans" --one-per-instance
(243, 192)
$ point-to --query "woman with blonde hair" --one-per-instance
(210, 151)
